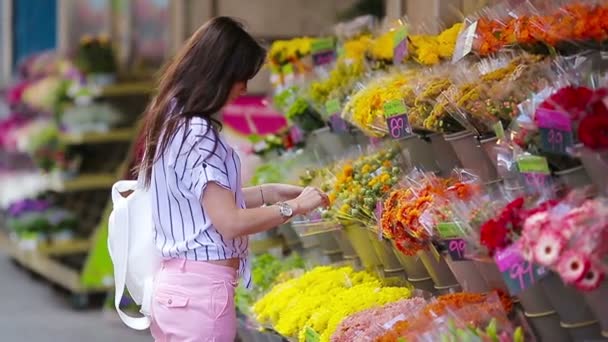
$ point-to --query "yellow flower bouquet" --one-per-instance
(365, 109)
(284, 51)
(321, 298)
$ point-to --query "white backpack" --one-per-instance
(132, 249)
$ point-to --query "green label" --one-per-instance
(333, 106)
(533, 164)
(311, 335)
(448, 230)
(400, 35)
(499, 130)
(287, 69)
(394, 108)
(322, 44)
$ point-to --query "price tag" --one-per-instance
(323, 51)
(448, 230)
(400, 45)
(456, 248)
(311, 335)
(555, 130)
(464, 43)
(398, 124)
(499, 130)
(517, 273)
(333, 109)
(535, 171)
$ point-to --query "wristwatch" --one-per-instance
(285, 209)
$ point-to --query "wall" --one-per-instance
(269, 20)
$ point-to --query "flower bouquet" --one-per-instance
(95, 57)
(298, 110)
(365, 108)
(427, 49)
(321, 299)
(476, 309)
(575, 252)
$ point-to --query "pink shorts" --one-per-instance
(194, 302)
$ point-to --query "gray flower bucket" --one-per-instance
(488, 146)
(575, 177)
(445, 156)
(327, 145)
(440, 272)
(597, 301)
(416, 273)
(490, 273)
(390, 264)
(541, 315)
(471, 155)
(467, 275)
(595, 163)
(575, 316)
(420, 153)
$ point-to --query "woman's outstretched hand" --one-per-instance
(309, 199)
(286, 192)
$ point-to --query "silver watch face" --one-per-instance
(286, 210)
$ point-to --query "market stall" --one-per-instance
(464, 169)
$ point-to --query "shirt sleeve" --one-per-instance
(199, 157)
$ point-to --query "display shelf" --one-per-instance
(263, 245)
(52, 248)
(128, 89)
(114, 135)
(84, 182)
(307, 229)
(42, 260)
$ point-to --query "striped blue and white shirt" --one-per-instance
(179, 177)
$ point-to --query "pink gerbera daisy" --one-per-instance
(572, 266)
(548, 248)
(591, 280)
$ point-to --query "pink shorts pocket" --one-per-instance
(221, 298)
(170, 299)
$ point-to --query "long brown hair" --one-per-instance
(199, 79)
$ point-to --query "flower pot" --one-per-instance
(359, 239)
(420, 153)
(574, 177)
(575, 316)
(345, 246)
(490, 273)
(595, 163)
(390, 264)
(445, 157)
(439, 271)
(488, 146)
(597, 301)
(471, 155)
(540, 314)
(467, 275)
(415, 271)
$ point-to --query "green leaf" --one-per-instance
(491, 330)
(518, 335)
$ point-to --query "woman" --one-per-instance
(202, 214)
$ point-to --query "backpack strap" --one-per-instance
(119, 226)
